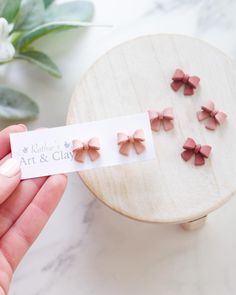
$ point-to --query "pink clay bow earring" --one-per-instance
(214, 116)
(126, 141)
(201, 152)
(81, 148)
(165, 117)
(190, 82)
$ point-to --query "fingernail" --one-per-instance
(25, 128)
(9, 169)
(1, 291)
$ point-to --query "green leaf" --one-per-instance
(47, 3)
(9, 9)
(30, 15)
(40, 59)
(70, 11)
(26, 39)
(15, 105)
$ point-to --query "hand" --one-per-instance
(25, 207)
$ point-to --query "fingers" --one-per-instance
(9, 178)
(5, 275)
(2, 291)
(16, 204)
(26, 229)
(5, 138)
(9, 169)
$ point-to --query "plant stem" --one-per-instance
(6, 62)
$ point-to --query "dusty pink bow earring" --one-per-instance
(126, 141)
(214, 116)
(81, 148)
(165, 117)
(201, 152)
(190, 82)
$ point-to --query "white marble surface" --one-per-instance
(86, 248)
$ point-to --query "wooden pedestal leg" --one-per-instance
(194, 224)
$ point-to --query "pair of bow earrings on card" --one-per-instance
(124, 141)
(208, 112)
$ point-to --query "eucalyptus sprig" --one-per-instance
(22, 22)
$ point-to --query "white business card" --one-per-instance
(50, 151)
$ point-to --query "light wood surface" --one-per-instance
(195, 224)
(134, 77)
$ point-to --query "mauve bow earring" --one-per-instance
(165, 117)
(126, 141)
(214, 116)
(81, 148)
(190, 82)
(201, 152)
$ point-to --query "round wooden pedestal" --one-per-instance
(134, 77)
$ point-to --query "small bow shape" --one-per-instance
(81, 148)
(190, 82)
(165, 117)
(215, 117)
(126, 141)
(201, 152)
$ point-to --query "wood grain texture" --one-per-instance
(134, 77)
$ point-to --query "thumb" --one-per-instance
(9, 178)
